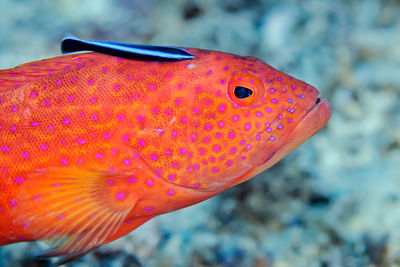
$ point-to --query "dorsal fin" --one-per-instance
(36, 70)
(131, 51)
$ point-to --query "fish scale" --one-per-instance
(92, 145)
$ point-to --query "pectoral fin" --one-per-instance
(76, 210)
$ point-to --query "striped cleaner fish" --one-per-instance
(92, 145)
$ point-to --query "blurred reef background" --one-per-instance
(335, 201)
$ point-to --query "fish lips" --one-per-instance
(314, 120)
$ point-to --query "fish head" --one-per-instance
(235, 117)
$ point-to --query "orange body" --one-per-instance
(92, 146)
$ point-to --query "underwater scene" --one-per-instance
(333, 201)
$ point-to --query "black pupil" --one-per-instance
(242, 92)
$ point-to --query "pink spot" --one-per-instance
(60, 216)
(272, 138)
(14, 108)
(125, 138)
(193, 137)
(153, 157)
(140, 118)
(171, 177)
(231, 135)
(107, 135)
(209, 72)
(216, 148)
(148, 208)
(215, 169)
(18, 180)
(149, 182)
(177, 101)
(175, 165)
(64, 161)
(57, 185)
(93, 99)
(228, 163)
(235, 118)
(25, 155)
(196, 185)
(58, 82)
(5, 149)
(168, 152)
(90, 81)
(247, 126)
(66, 121)
(70, 98)
(132, 179)
(152, 87)
(121, 117)
(168, 75)
(274, 100)
(81, 141)
(196, 111)
(221, 108)
(171, 192)
(141, 142)
(120, 195)
(174, 133)
(221, 124)
(233, 150)
(99, 155)
(269, 130)
(184, 119)
(127, 162)
(13, 203)
(202, 151)
(208, 126)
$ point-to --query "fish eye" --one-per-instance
(245, 90)
(242, 92)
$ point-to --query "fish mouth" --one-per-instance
(316, 105)
(314, 119)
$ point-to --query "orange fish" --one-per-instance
(93, 145)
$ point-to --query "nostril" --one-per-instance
(318, 101)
